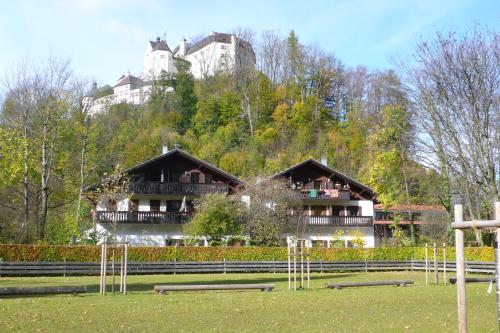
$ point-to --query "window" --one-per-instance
(353, 211)
(173, 205)
(317, 184)
(208, 178)
(195, 177)
(336, 210)
(154, 205)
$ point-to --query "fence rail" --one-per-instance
(172, 267)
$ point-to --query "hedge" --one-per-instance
(22, 252)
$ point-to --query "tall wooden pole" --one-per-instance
(426, 264)
(444, 264)
(125, 270)
(459, 245)
(436, 281)
(289, 270)
(102, 270)
(497, 259)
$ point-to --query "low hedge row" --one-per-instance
(22, 252)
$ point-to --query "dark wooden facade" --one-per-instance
(159, 186)
(329, 197)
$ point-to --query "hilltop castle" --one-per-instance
(214, 53)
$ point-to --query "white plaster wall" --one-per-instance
(368, 235)
(144, 205)
(123, 205)
(143, 235)
(157, 61)
(101, 204)
(366, 208)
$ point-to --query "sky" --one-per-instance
(106, 38)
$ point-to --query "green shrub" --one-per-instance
(23, 252)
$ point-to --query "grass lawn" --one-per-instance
(414, 308)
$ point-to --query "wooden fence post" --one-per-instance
(426, 264)
(444, 264)
(436, 281)
(460, 266)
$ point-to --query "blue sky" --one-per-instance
(105, 38)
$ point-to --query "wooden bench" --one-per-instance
(453, 280)
(42, 290)
(397, 283)
(186, 287)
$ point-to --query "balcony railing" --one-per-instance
(322, 195)
(340, 221)
(176, 188)
(143, 217)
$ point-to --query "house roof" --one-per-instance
(128, 79)
(413, 208)
(216, 37)
(328, 170)
(159, 45)
(178, 151)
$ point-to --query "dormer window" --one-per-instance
(195, 177)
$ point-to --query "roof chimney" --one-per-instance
(177, 146)
(164, 149)
(324, 161)
(182, 47)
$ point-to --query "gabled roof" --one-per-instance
(159, 45)
(413, 208)
(128, 79)
(328, 170)
(178, 151)
(216, 37)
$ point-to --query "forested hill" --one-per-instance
(299, 102)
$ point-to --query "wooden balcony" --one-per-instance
(143, 217)
(322, 195)
(176, 188)
(340, 221)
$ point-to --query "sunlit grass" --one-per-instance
(417, 308)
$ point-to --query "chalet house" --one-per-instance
(162, 191)
(333, 204)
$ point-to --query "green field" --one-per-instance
(370, 309)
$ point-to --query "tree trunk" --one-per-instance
(24, 226)
(82, 172)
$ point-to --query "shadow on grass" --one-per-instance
(148, 286)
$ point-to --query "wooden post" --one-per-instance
(289, 270)
(436, 280)
(444, 264)
(122, 263)
(125, 268)
(497, 259)
(302, 243)
(459, 245)
(295, 266)
(426, 264)
(308, 256)
(102, 269)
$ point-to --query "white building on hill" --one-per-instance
(214, 53)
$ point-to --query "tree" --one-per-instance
(216, 217)
(455, 90)
(272, 209)
(436, 226)
(184, 91)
